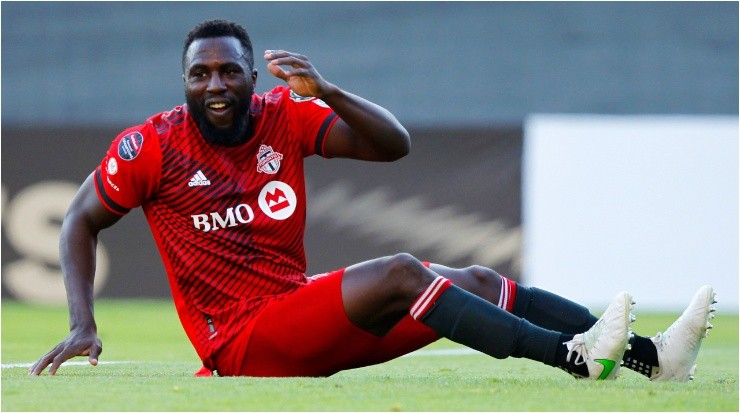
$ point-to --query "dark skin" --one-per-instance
(376, 293)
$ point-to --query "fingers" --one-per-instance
(284, 57)
(277, 71)
(62, 353)
(39, 366)
(44, 361)
(297, 71)
(95, 351)
(55, 364)
(298, 62)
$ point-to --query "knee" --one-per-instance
(404, 265)
(481, 281)
(484, 276)
(406, 274)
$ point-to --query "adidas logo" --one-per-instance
(199, 179)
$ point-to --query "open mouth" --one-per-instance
(218, 107)
(219, 113)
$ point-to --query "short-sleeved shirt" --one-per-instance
(228, 221)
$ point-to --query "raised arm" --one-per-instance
(79, 239)
(364, 130)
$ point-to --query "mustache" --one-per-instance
(237, 133)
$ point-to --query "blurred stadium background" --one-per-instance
(586, 147)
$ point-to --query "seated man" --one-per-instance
(220, 180)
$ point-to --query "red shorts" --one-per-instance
(308, 334)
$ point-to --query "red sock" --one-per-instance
(426, 300)
(508, 294)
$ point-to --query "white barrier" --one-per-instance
(647, 204)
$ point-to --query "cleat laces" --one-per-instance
(578, 346)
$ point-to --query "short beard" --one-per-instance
(238, 133)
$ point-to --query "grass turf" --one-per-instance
(159, 363)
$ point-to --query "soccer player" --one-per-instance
(220, 180)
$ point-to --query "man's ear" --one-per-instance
(254, 76)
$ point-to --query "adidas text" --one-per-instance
(199, 183)
(199, 179)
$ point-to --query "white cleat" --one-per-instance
(603, 345)
(679, 345)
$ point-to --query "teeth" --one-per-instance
(217, 105)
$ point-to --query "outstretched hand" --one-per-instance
(75, 344)
(302, 77)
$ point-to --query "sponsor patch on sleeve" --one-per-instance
(130, 146)
(112, 166)
(321, 103)
(295, 97)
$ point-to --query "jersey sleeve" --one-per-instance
(313, 119)
(129, 172)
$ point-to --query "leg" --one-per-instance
(306, 333)
(649, 356)
(537, 306)
(544, 309)
(378, 293)
(336, 322)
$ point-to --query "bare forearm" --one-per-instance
(85, 219)
(77, 249)
(364, 130)
(377, 129)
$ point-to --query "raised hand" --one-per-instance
(302, 77)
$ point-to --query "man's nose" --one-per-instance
(215, 84)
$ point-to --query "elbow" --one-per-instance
(406, 145)
(398, 154)
(401, 148)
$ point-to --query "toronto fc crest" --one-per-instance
(268, 161)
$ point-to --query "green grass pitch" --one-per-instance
(155, 363)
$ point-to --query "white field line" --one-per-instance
(418, 353)
(68, 363)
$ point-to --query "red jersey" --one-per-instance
(228, 222)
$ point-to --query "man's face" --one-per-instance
(218, 89)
